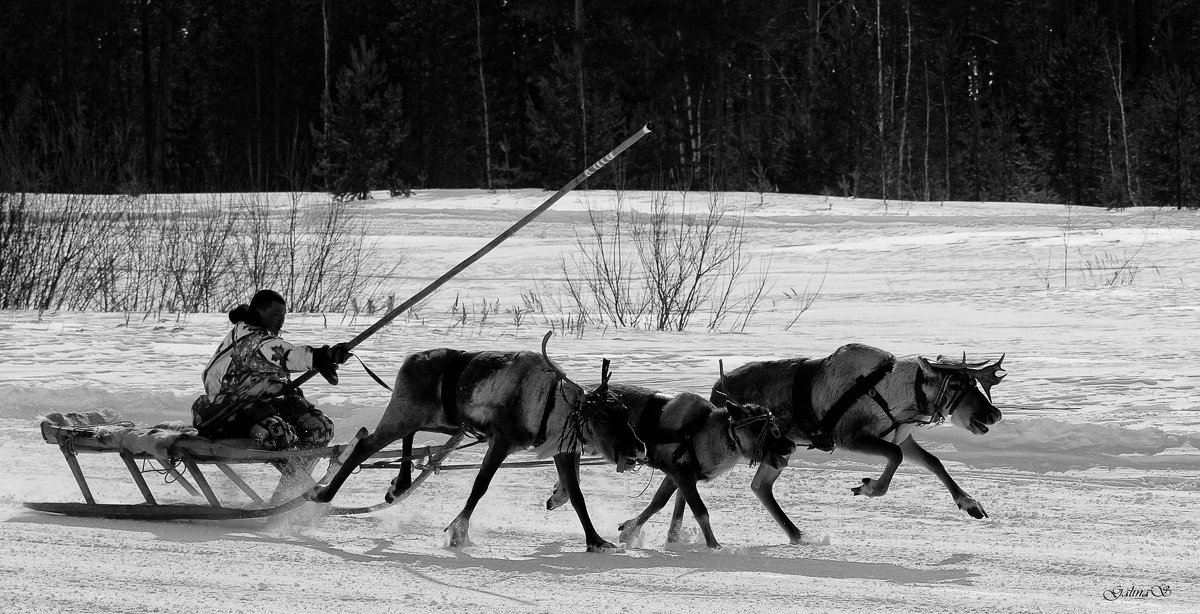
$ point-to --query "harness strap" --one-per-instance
(550, 400)
(684, 438)
(454, 369)
(919, 395)
(920, 400)
(863, 384)
(648, 430)
(647, 426)
(802, 406)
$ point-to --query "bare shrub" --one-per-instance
(1108, 269)
(803, 300)
(52, 245)
(660, 269)
(604, 270)
(169, 253)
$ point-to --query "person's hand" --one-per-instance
(325, 365)
(339, 353)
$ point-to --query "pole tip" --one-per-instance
(649, 127)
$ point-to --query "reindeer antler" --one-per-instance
(720, 387)
(989, 375)
(605, 373)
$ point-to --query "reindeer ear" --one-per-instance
(926, 368)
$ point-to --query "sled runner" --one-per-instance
(175, 452)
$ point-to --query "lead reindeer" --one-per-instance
(516, 400)
(864, 399)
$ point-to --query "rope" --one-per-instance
(649, 479)
(370, 372)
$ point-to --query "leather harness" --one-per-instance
(455, 365)
(648, 430)
(454, 368)
(802, 407)
(820, 431)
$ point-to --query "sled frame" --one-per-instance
(194, 454)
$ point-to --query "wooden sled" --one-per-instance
(167, 450)
(175, 447)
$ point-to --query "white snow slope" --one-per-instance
(1091, 480)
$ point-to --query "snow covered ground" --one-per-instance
(1092, 480)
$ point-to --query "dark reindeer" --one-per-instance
(515, 400)
(690, 439)
(864, 399)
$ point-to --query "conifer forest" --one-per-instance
(1093, 103)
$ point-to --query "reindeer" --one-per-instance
(515, 400)
(690, 439)
(863, 399)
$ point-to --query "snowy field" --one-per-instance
(1091, 481)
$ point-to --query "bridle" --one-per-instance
(935, 412)
(771, 429)
(583, 407)
(583, 410)
(946, 400)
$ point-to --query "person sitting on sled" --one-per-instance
(246, 384)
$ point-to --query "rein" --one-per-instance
(377, 379)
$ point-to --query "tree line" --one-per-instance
(1090, 103)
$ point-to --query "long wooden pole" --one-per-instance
(481, 252)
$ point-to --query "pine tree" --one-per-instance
(363, 129)
(1169, 139)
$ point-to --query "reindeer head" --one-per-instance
(756, 434)
(754, 429)
(599, 420)
(951, 390)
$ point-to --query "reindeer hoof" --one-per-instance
(457, 535)
(629, 532)
(869, 488)
(554, 502)
(558, 497)
(454, 541)
(972, 507)
(604, 546)
(318, 495)
(858, 490)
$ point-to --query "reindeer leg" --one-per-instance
(457, 533)
(687, 488)
(630, 528)
(877, 487)
(675, 531)
(764, 480)
(567, 464)
(964, 501)
(361, 448)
